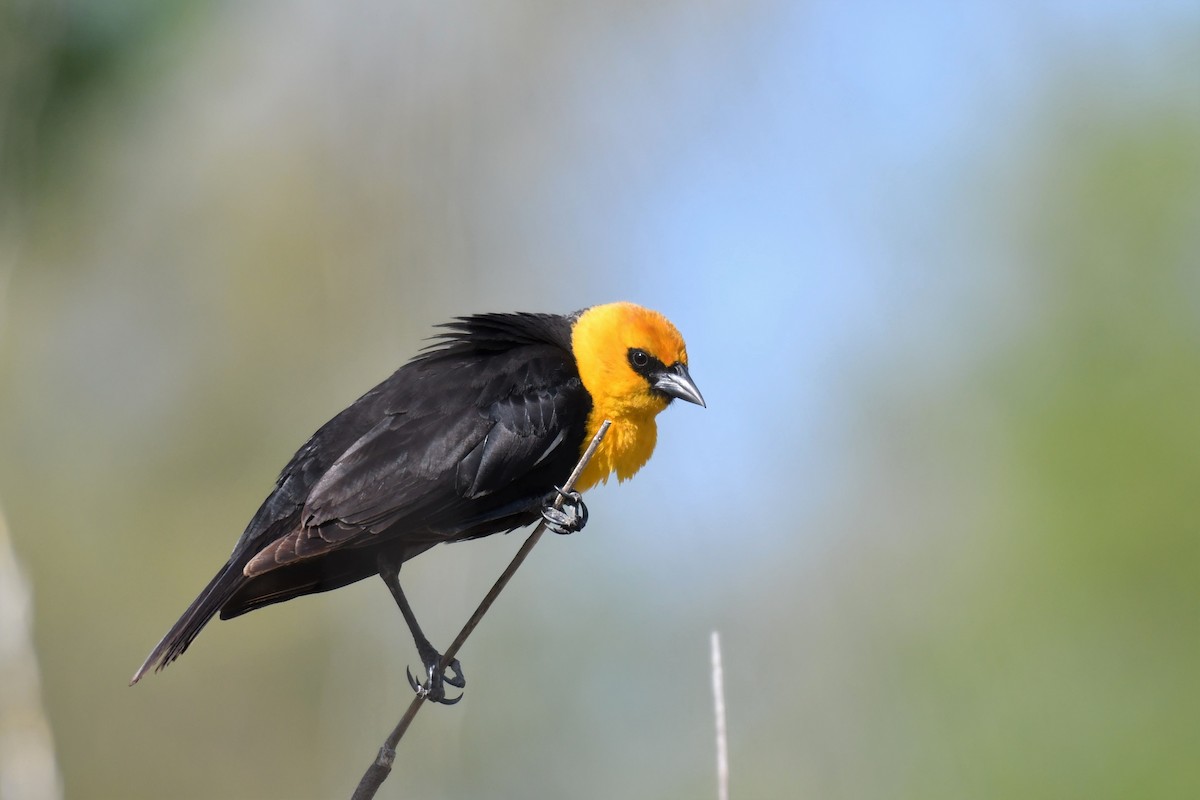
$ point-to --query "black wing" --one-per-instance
(471, 451)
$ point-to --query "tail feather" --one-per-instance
(202, 609)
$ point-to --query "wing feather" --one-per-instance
(464, 463)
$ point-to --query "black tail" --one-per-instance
(202, 609)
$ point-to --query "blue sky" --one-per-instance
(808, 214)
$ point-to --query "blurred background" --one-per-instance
(938, 266)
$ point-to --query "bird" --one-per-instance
(473, 436)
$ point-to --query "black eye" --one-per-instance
(639, 359)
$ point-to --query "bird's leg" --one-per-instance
(434, 687)
(570, 518)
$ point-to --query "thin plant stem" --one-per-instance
(718, 686)
(381, 767)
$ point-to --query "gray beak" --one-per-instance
(676, 382)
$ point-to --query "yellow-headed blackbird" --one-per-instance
(469, 438)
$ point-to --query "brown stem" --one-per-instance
(381, 767)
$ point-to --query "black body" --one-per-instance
(465, 440)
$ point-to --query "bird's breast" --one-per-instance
(626, 447)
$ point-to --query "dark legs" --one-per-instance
(572, 515)
(569, 517)
(434, 688)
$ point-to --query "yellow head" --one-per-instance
(633, 362)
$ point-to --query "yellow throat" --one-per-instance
(601, 341)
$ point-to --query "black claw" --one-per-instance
(568, 497)
(570, 518)
(433, 689)
(457, 681)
